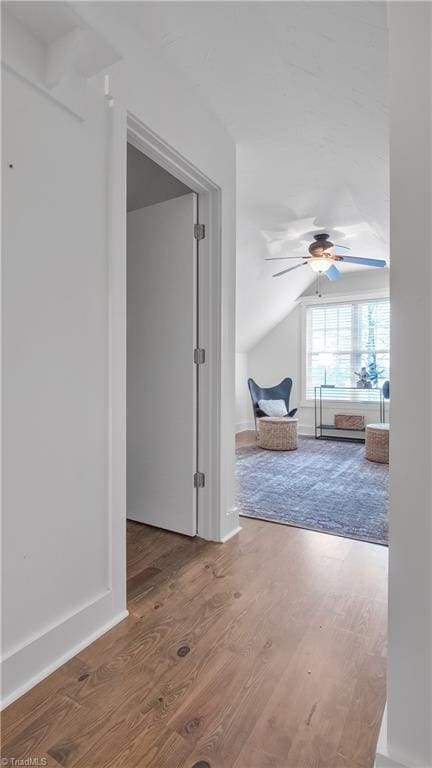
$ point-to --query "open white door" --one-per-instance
(161, 375)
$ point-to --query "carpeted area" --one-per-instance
(326, 486)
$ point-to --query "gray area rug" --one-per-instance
(325, 486)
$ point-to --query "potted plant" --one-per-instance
(374, 372)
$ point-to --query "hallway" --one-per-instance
(266, 652)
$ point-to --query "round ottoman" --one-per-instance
(278, 433)
(377, 442)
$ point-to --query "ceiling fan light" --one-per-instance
(320, 264)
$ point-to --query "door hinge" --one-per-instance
(199, 480)
(199, 231)
(199, 356)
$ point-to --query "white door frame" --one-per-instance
(123, 127)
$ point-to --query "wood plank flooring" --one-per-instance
(248, 437)
(264, 652)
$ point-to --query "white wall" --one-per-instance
(64, 544)
(279, 353)
(244, 413)
(409, 681)
(55, 390)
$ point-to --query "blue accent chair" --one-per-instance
(281, 391)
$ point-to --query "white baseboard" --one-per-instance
(230, 535)
(307, 430)
(243, 426)
(232, 519)
(246, 426)
(384, 761)
(25, 666)
(382, 758)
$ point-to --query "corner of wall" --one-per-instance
(34, 660)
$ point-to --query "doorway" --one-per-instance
(127, 129)
(162, 339)
(326, 469)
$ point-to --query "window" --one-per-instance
(343, 338)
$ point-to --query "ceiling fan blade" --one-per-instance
(333, 273)
(366, 262)
(279, 258)
(290, 269)
(337, 250)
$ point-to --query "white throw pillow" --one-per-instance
(273, 407)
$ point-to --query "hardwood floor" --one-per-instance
(247, 437)
(264, 652)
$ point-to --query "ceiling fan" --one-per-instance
(323, 257)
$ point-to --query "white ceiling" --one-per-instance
(302, 88)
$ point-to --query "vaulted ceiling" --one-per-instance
(302, 88)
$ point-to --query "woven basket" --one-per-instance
(348, 421)
(377, 443)
(278, 434)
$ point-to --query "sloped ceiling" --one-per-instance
(302, 88)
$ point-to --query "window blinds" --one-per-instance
(342, 338)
